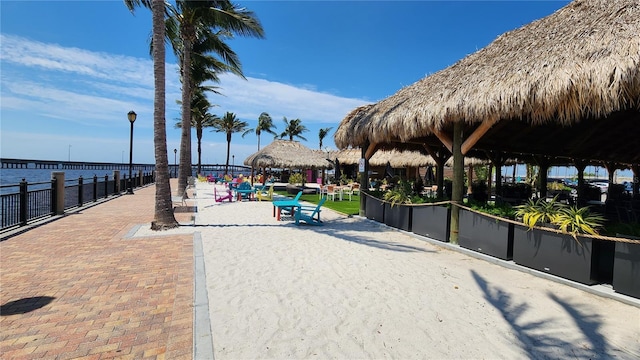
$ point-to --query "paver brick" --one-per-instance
(112, 297)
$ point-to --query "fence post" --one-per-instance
(54, 197)
(116, 181)
(106, 186)
(80, 191)
(23, 202)
(139, 178)
(95, 187)
(59, 178)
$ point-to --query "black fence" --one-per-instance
(25, 202)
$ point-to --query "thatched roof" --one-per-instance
(287, 154)
(397, 158)
(570, 80)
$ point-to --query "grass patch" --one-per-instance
(345, 206)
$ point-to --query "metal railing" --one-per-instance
(26, 202)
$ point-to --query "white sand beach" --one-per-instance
(355, 289)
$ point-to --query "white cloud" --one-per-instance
(76, 86)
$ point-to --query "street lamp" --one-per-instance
(175, 162)
(233, 163)
(132, 118)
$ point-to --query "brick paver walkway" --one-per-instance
(77, 288)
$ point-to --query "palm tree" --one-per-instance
(204, 22)
(293, 129)
(200, 118)
(322, 134)
(230, 124)
(163, 214)
(264, 124)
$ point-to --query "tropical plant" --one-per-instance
(293, 128)
(230, 124)
(574, 220)
(538, 211)
(163, 209)
(399, 194)
(322, 133)
(296, 178)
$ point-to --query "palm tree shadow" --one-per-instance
(24, 305)
(589, 325)
(531, 336)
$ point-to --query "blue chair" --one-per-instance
(310, 218)
(285, 205)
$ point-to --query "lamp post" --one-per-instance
(132, 118)
(69, 158)
(233, 163)
(175, 163)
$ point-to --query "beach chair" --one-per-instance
(261, 194)
(309, 214)
(222, 198)
(285, 206)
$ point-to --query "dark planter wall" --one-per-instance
(374, 208)
(626, 269)
(431, 221)
(485, 234)
(398, 216)
(559, 254)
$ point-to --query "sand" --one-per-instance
(356, 289)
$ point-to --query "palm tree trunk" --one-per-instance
(226, 166)
(163, 216)
(185, 140)
(199, 135)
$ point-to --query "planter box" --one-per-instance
(486, 235)
(626, 269)
(374, 208)
(431, 221)
(398, 216)
(589, 262)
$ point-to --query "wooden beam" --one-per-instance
(444, 139)
(476, 135)
(371, 149)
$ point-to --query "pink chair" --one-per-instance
(222, 198)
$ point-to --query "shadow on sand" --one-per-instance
(534, 340)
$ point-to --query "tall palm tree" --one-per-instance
(230, 124)
(293, 129)
(163, 214)
(204, 22)
(265, 123)
(322, 134)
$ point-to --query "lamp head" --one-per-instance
(175, 151)
(132, 116)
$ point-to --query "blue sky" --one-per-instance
(71, 70)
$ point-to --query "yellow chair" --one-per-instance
(268, 195)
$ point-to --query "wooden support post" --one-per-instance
(543, 177)
(364, 179)
(458, 180)
(580, 166)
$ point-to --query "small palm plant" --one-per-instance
(400, 194)
(538, 211)
(574, 220)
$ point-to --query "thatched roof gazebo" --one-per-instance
(286, 154)
(565, 88)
